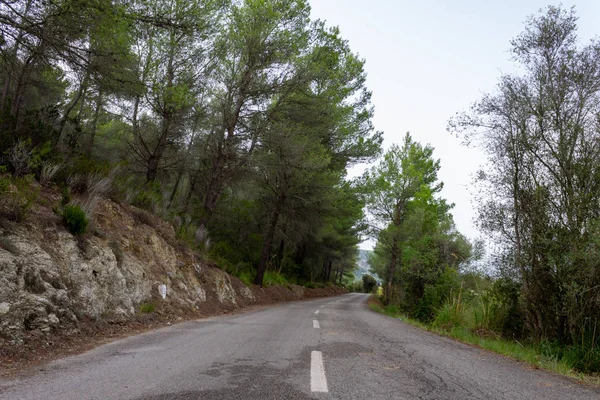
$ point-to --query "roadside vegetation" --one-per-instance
(233, 120)
(540, 355)
(236, 121)
(536, 295)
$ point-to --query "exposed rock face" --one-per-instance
(51, 280)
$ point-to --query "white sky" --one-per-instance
(427, 60)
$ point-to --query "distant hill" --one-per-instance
(363, 265)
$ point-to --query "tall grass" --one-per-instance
(478, 322)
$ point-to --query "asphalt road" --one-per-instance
(350, 352)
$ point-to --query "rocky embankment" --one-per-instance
(54, 284)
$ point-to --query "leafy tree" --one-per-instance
(540, 190)
(369, 283)
(234, 120)
(391, 187)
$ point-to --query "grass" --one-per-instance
(527, 353)
(147, 308)
(247, 277)
(273, 278)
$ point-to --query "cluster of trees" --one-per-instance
(540, 197)
(417, 241)
(234, 119)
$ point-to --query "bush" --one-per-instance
(369, 283)
(47, 173)
(247, 277)
(581, 357)
(434, 296)
(17, 196)
(65, 196)
(147, 308)
(357, 287)
(273, 278)
(508, 293)
(75, 219)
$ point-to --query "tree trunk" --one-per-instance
(188, 197)
(15, 54)
(329, 266)
(167, 114)
(70, 108)
(267, 242)
(391, 272)
(90, 147)
(280, 251)
(15, 109)
(155, 158)
(183, 168)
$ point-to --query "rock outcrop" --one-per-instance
(51, 280)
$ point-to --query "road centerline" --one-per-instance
(318, 380)
(316, 324)
(316, 312)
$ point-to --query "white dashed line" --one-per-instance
(318, 381)
(316, 324)
(316, 312)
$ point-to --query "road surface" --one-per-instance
(332, 348)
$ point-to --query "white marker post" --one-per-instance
(162, 289)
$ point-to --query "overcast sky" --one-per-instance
(427, 60)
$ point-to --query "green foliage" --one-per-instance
(17, 196)
(247, 277)
(357, 287)
(369, 283)
(540, 189)
(273, 278)
(147, 308)
(4, 184)
(435, 295)
(75, 219)
(546, 355)
(65, 194)
(416, 236)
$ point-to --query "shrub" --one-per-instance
(247, 277)
(48, 171)
(65, 196)
(452, 314)
(147, 308)
(357, 286)
(4, 184)
(17, 196)
(75, 219)
(273, 278)
(369, 283)
(19, 157)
